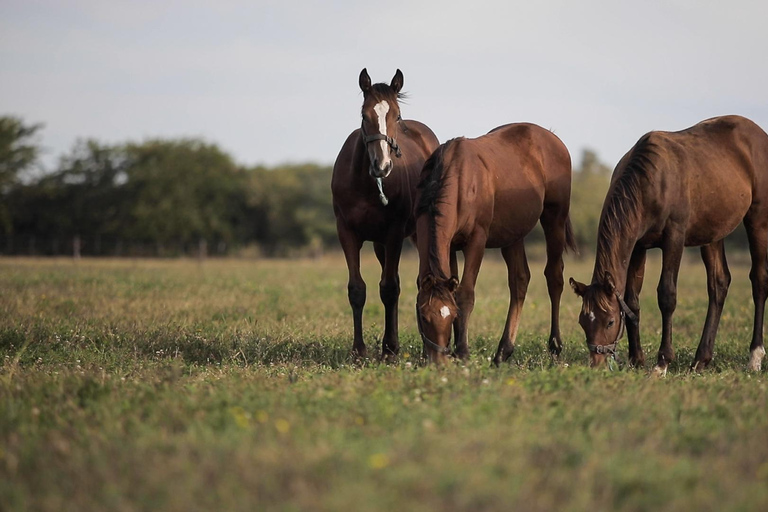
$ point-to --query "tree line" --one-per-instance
(167, 197)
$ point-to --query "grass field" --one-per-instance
(172, 385)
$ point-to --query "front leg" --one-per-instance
(672, 253)
(465, 295)
(389, 291)
(635, 276)
(351, 246)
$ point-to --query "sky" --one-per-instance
(274, 82)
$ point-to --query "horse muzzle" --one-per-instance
(377, 171)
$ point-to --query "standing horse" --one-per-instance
(671, 190)
(374, 186)
(489, 192)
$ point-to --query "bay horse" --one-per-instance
(671, 190)
(374, 187)
(489, 192)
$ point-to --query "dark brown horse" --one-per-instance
(676, 189)
(374, 187)
(489, 192)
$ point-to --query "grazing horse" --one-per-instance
(671, 190)
(374, 186)
(489, 192)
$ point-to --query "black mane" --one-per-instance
(622, 208)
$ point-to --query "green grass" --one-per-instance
(170, 385)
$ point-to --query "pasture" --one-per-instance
(174, 385)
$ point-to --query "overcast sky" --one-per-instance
(276, 81)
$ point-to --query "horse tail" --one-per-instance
(570, 238)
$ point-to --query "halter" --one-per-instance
(367, 139)
(446, 351)
(624, 315)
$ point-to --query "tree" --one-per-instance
(183, 191)
(18, 153)
(590, 184)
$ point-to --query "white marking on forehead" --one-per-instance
(444, 311)
(591, 316)
(381, 109)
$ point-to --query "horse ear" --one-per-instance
(427, 283)
(608, 284)
(578, 288)
(397, 81)
(453, 284)
(365, 80)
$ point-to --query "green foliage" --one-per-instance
(169, 195)
(18, 153)
(173, 385)
(590, 184)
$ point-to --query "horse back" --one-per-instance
(704, 178)
(508, 176)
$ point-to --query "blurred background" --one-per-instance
(210, 128)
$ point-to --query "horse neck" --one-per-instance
(438, 231)
(614, 251)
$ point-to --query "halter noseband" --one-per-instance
(367, 139)
(624, 315)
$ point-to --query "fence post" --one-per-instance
(76, 247)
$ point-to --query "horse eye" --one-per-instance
(610, 323)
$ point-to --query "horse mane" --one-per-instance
(432, 188)
(624, 201)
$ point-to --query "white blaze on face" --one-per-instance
(381, 110)
(591, 316)
(444, 311)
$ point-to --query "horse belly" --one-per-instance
(515, 215)
(713, 218)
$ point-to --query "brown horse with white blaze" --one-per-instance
(374, 187)
(671, 190)
(489, 192)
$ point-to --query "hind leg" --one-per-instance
(519, 275)
(553, 221)
(718, 280)
(757, 232)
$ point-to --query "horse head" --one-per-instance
(603, 317)
(381, 116)
(436, 310)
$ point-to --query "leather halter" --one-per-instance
(367, 139)
(625, 315)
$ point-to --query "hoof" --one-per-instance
(555, 347)
(659, 371)
(756, 359)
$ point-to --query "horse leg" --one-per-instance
(454, 262)
(519, 275)
(757, 233)
(351, 246)
(389, 291)
(465, 294)
(635, 276)
(672, 254)
(718, 280)
(553, 221)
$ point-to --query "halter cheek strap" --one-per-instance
(625, 315)
(367, 139)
